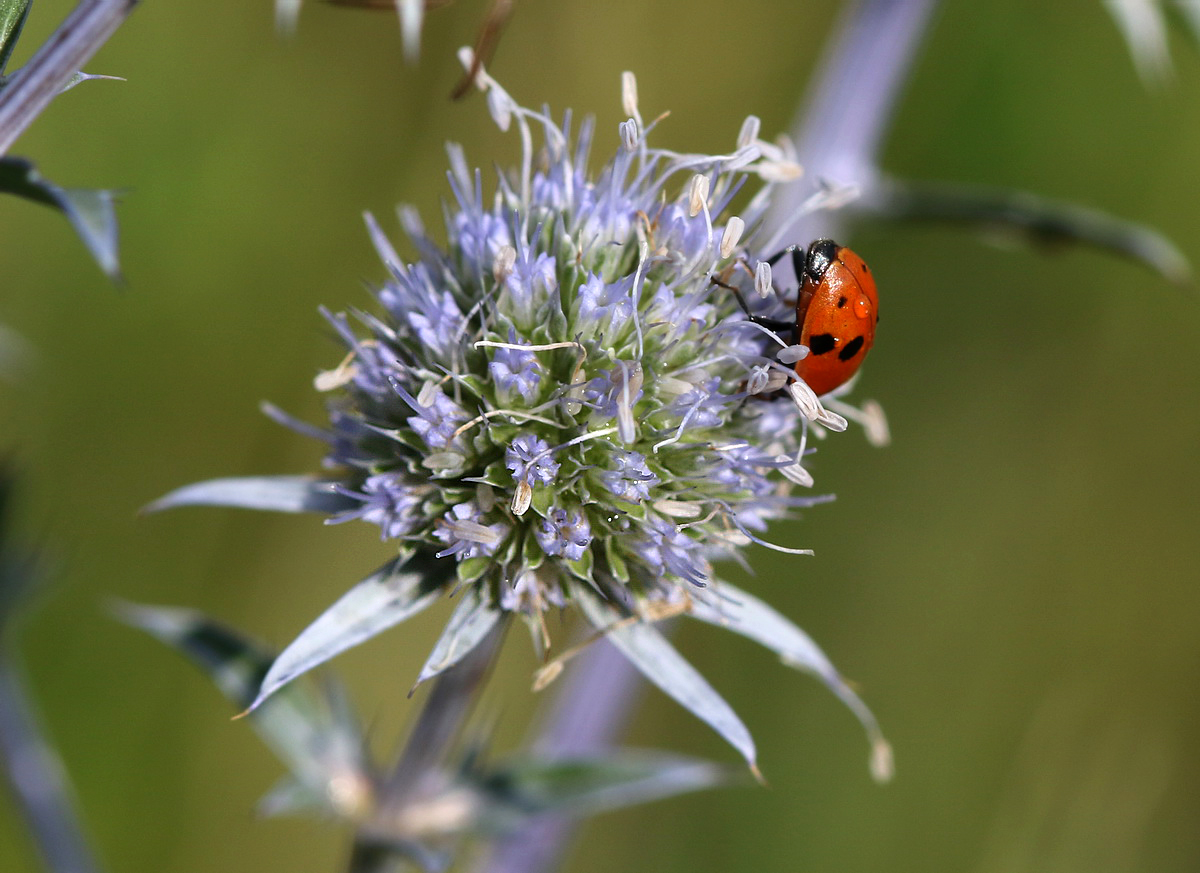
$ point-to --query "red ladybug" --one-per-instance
(836, 313)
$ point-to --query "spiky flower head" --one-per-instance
(565, 405)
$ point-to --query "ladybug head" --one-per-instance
(821, 255)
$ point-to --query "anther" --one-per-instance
(762, 279)
(629, 94)
(749, 131)
(629, 134)
(697, 195)
(502, 265)
(731, 236)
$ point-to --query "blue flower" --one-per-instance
(663, 548)
(575, 348)
(515, 371)
(629, 479)
(565, 533)
(437, 418)
(564, 404)
(528, 458)
(466, 534)
(389, 501)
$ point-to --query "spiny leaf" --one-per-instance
(648, 650)
(90, 212)
(727, 607)
(472, 620)
(76, 78)
(274, 493)
(314, 734)
(585, 786)
(400, 589)
(412, 17)
(1189, 12)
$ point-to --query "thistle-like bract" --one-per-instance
(560, 407)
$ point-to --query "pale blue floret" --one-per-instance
(480, 237)
(630, 479)
(438, 322)
(773, 420)
(680, 310)
(742, 469)
(665, 548)
(604, 394)
(465, 534)
(687, 235)
(515, 372)
(435, 424)
(528, 458)
(565, 533)
(389, 501)
(530, 283)
(604, 307)
(701, 406)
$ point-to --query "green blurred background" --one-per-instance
(1012, 583)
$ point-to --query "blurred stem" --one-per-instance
(38, 779)
(454, 694)
(31, 88)
(12, 19)
(420, 766)
(590, 711)
(1045, 221)
(839, 133)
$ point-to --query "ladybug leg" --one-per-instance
(775, 325)
(798, 255)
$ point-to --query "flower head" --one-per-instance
(565, 404)
(569, 347)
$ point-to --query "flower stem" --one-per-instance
(589, 712)
(453, 695)
(419, 769)
(31, 88)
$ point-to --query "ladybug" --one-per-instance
(837, 310)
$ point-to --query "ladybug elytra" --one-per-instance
(837, 310)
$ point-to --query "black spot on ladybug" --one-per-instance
(824, 343)
(841, 302)
(851, 349)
